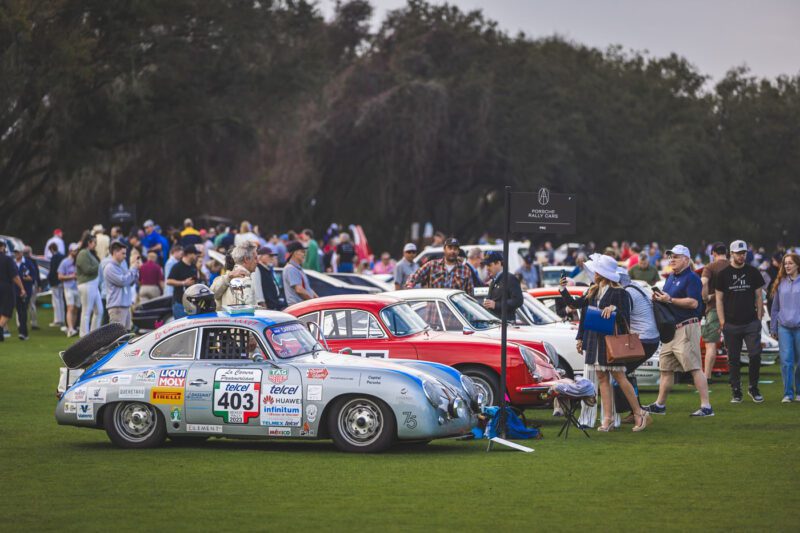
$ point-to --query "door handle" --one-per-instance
(199, 382)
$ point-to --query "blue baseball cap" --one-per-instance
(492, 257)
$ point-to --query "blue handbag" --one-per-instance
(594, 321)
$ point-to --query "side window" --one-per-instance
(230, 343)
(350, 324)
(180, 346)
(427, 312)
(311, 317)
(451, 322)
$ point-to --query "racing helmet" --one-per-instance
(198, 299)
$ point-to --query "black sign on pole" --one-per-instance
(528, 212)
(542, 212)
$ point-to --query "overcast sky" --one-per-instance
(714, 35)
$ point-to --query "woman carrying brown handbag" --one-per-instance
(608, 296)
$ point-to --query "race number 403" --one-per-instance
(236, 402)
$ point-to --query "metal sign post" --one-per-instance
(527, 212)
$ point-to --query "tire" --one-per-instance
(134, 425)
(568, 373)
(79, 355)
(362, 424)
(487, 381)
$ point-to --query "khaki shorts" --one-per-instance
(710, 330)
(120, 315)
(72, 297)
(683, 352)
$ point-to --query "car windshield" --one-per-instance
(291, 340)
(402, 320)
(477, 316)
(537, 312)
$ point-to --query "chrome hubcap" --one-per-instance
(484, 387)
(135, 421)
(360, 422)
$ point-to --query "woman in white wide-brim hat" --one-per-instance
(608, 296)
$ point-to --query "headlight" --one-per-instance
(529, 356)
(552, 353)
(433, 391)
(457, 408)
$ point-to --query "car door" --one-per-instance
(227, 392)
(361, 331)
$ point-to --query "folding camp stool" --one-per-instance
(571, 404)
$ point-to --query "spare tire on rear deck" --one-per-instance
(79, 355)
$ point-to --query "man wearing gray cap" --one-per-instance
(406, 266)
(740, 305)
(683, 290)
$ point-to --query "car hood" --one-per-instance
(532, 333)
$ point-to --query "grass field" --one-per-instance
(738, 470)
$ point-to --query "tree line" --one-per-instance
(266, 111)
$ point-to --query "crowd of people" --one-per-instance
(100, 276)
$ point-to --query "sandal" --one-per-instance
(642, 421)
(608, 425)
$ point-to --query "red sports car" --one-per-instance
(384, 326)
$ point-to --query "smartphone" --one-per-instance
(657, 290)
(563, 273)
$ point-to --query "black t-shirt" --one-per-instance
(8, 270)
(738, 286)
(346, 252)
(180, 271)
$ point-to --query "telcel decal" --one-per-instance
(284, 407)
(237, 394)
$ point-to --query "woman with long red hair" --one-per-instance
(785, 323)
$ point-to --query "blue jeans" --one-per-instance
(178, 311)
(789, 340)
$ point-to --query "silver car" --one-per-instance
(261, 375)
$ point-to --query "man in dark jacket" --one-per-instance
(270, 293)
(494, 266)
(10, 285)
(56, 287)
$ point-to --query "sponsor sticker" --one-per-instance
(282, 406)
(311, 412)
(70, 408)
(250, 375)
(131, 393)
(317, 373)
(166, 395)
(306, 431)
(314, 393)
(146, 376)
(237, 394)
(122, 379)
(195, 396)
(78, 395)
(278, 375)
(96, 394)
(373, 380)
(279, 432)
(133, 353)
(86, 411)
(203, 428)
(175, 414)
(172, 377)
(372, 354)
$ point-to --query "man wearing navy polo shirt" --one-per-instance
(683, 290)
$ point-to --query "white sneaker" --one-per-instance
(54, 324)
(63, 328)
(72, 333)
(787, 399)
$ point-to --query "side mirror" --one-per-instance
(467, 331)
(346, 351)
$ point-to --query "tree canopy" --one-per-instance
(264, 110)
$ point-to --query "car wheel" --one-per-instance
(568, 373)
(134, 425)
(79, 355)
(487, 382)
(361, 424)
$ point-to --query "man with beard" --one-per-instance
(445, 273)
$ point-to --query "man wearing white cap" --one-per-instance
(684, 291)
(739, 289)
(406, 266)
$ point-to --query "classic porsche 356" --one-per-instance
(260, 374)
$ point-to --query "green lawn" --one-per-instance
(738, 470)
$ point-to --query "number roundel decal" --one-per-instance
(237, 394)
